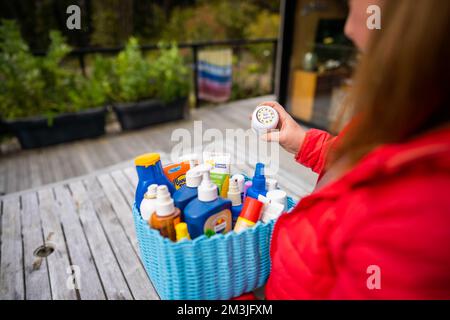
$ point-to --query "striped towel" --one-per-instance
(215, 75)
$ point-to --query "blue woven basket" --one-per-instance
(220, 267)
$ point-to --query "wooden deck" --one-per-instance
(33, 168)
(87, 220)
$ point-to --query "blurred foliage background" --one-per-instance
(110, 23)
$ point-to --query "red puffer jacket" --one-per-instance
(382, 231)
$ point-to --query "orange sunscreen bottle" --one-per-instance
(166, 216)
(251, 212)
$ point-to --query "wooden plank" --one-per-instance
(120, 206)
(131, 174)
(132, 268)
(112, 152)
(124, 186)
(23, 174)
(84, 162)
(56, 164)
(11, 261)
(35, 171)
(11, 175)
(59, 260)
(89, 286)
(12, 285)
(46, 167)
(37, 282)
(66, 167)
(3, 163)
(114, 283)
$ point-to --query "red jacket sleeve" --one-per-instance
(314, 149)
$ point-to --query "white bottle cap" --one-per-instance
(264, 118)
(147, 207)
(279, 196)
(271, 184)
(240, 181)
(271, 210)
(193, 178)
(207, 191)
(151, 191)
(233, 193)
(164, 203)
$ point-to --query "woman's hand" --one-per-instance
(290, 134)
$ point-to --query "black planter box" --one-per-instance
(135, 115)
(35, 132)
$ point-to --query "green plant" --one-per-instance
(58, 81)
(21, 83)
(132, 74)
(94, 90)
(36, 86)
(170, 74)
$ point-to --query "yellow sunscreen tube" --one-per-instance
(220, 172)
(222, 181)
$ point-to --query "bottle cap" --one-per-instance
(252, 209)
(240, 181)
(264, 118)
(259, 180)
(164, 203)
(271, 184)
(181, 230)
(151, 191)
(279, 196)
(207, 191)
(146, 160)
(272, 210)
(193, 178)
(233, 193)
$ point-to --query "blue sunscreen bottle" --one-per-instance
(258, 183)
(208, 212)
(189, 191)
(150, 171)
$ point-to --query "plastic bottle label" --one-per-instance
(242, 224)
(219, 222)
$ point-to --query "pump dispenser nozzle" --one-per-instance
(164, 203)
(233, 193)
(207, 191)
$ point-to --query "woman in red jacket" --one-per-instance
(377, 226)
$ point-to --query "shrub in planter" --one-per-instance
(41, 102)
(142, 89)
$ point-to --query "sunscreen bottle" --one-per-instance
(208, 211)
(150, 171)
(258, 183)
(251, 212)
(188, 192)
(234, 195)
(166, 216)
(176, 173)
(148, 204)
(240, 179)
(271, 210)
